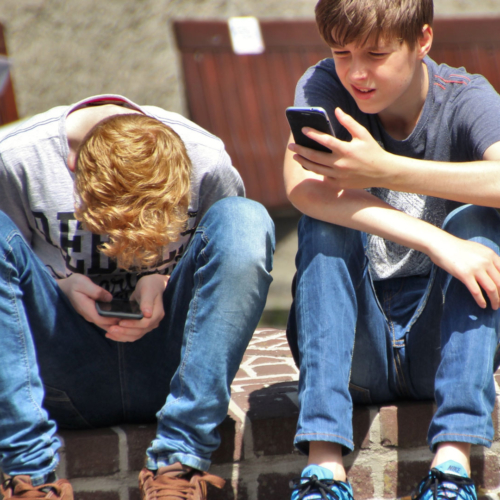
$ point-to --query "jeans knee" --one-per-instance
(329, 239)
(473, 222)
(244, 230)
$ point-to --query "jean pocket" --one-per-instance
(360, 395)
(62, 410)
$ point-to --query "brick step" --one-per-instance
(257, 457)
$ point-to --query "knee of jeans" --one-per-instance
(473, 222)
(329, 239)
(246, 230)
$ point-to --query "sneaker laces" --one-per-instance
(21, 487)
(444, 485)
(306, 485)
(192, 485)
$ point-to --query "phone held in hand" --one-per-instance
(316, 118)
(119, 308)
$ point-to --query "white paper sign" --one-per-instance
(246, 37)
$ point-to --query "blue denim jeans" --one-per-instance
(362, 341)
(53, 361)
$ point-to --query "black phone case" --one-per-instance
(105, 309)
(317, 119)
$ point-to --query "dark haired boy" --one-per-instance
(398, 274)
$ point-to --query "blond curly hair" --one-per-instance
(132, 183)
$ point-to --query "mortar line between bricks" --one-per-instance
(377, 466)
(122, 460)
(246, 430)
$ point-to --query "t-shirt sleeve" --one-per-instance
(13, 201)
(219, 182)
(476, 120)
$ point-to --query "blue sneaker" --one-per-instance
(446, 481)
(317, 483)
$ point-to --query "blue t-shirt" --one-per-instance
(459, 121)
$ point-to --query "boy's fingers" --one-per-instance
(476, 292)
(352, 126)
(103, 295)
(146, 302)
(491, 289)
(125, 334)
(324, 139)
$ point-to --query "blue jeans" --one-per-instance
(362, 341)
(180, 371)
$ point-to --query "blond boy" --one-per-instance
(106, 199)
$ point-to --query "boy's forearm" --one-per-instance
(477, 182)
(358, 209)
(362, 163)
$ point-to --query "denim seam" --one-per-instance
(485, 382)
(434, 439)
(194, 305)
(182, 365)
(376, 296)
(395, 359)
(122, 376)
(338, 436)
(400, 377)
(425, 299)
(46, 438)
(21, 336)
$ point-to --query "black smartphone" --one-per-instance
(119, 308)
(316, 118)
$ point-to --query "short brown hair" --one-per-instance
(132, 183)
(344, 21)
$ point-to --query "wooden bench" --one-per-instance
(8, 109)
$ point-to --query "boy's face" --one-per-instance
(380, 76)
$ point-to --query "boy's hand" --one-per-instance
(149, 294)
(475, 265)
(82, 292)
(358, 164)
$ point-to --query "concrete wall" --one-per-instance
(65, 50)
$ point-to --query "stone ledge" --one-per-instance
(257, 457)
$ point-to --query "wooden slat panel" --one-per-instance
(466, 30)
(214, 35)
(242, 99)
(8, 108)
(250, 94)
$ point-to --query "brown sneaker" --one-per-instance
(176, 482)
(20, 487)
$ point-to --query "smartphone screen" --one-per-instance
(316, 118)
(118, 308)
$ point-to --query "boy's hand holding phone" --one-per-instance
(149, 294)
(358, 164)
(119, 308)
(82, 292)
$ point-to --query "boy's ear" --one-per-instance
(71, 161)
(424, 42)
